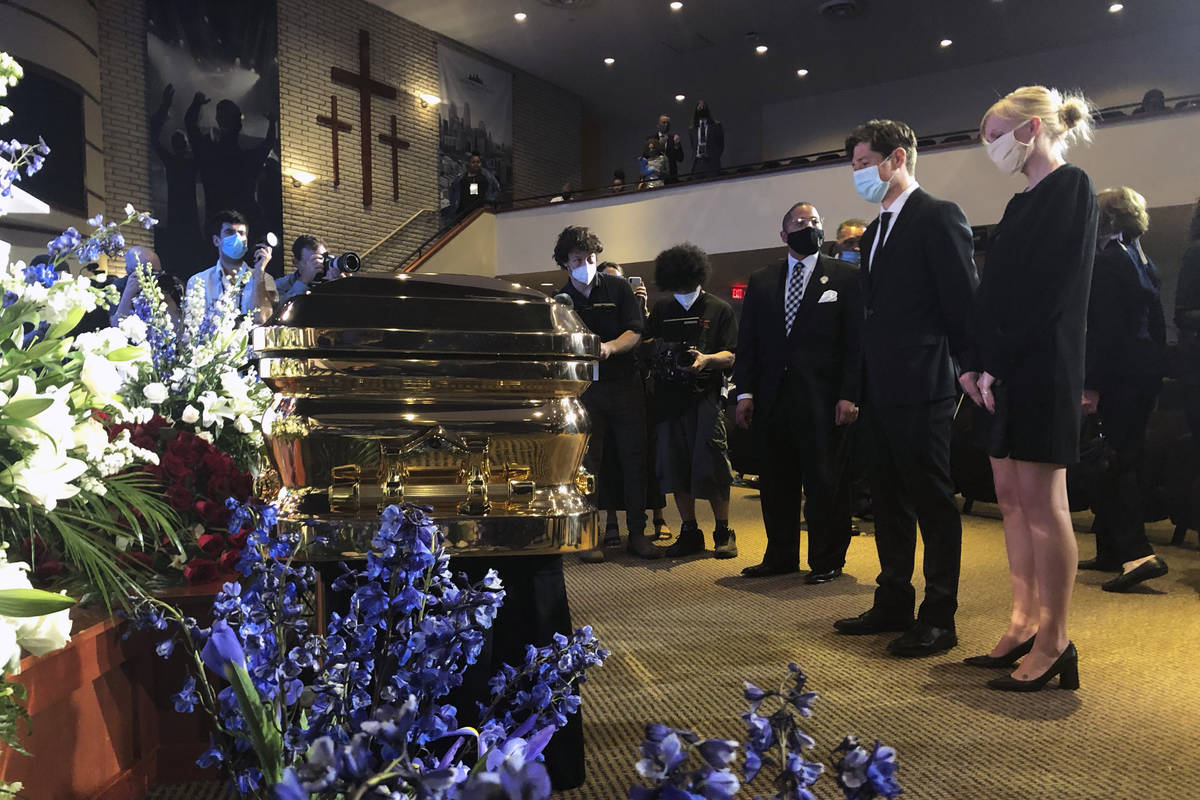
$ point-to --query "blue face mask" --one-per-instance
(869, 185)
(853, 256)
(233, 246)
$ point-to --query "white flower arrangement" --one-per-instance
(197, 377)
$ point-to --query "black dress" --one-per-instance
(1030, 318)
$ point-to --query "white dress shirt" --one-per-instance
(213, 282)
(894, 209)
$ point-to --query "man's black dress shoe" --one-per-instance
(923, 640)
(1005, 660)
(765, 570)
(1154, 568)
(823, 577)
(872, 621)
(1099, 565)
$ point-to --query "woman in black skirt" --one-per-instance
(1027, 371)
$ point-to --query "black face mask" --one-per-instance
(806, 241)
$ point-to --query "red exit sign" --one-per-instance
(737, 291)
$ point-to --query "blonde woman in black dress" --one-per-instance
(1027, 372)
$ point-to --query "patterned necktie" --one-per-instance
(795, 291)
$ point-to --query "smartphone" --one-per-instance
(635, 281)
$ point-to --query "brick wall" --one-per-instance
(315, 35)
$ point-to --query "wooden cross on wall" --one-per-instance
(367, 88)
(335, 125)
(397, 144)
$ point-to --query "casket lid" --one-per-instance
(425, 315)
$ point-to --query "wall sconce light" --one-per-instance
(301, 178)
(428, 99)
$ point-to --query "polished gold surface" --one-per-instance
(456, 392)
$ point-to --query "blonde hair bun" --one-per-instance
(1065, 117)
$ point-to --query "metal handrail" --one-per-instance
(399, 228)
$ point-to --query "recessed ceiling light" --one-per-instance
(676, 5)
(802, 72)
(945, 43)
(1115, 7)
(520, 16)
(610, 61)
(679, 98)
(762, 48)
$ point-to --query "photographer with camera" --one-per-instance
(308, 258)
(231, 238)
(692, 335)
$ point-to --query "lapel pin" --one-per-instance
(824, 279)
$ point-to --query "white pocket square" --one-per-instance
(830, 296)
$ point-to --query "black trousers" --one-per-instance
(797, 449)
(618, 406)
(1120, 524)
(910, 484)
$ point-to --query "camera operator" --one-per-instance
(308, 259)
(693, 336)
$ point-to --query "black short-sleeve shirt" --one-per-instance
(709, 325)
(610, 309)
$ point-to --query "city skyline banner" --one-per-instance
(475, 116)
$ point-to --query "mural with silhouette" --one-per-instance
(213, 103)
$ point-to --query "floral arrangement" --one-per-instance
(65, 484)
(191, 473)
(681, 765)
(197, 374)
(63, 479)
(359, 711)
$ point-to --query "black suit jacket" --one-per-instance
(716, 141)
(673, 152)
(917, 293)
(1119, 302)
(824, 348)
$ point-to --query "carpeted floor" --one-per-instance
(685, 634)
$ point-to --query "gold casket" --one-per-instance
(450, 391)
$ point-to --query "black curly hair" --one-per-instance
(572, 238)
(681, 268)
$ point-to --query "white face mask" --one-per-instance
(686, 300)
(1008, 153)
(585, 273)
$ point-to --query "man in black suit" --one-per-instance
(797, 374)
(672, 148)
(918, 278)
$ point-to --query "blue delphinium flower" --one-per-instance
(863, 774)
(186, 698)
(363, 702)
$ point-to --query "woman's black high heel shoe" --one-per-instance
(1006, 660)
(1066, 667)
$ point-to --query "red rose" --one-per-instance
(139, 558)
(200, 570)
(180, 497)
(48, 569)
(241, 486)
(211, 543)
(212, 512)
(229, 559)
(238, 540)
(174, 466)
